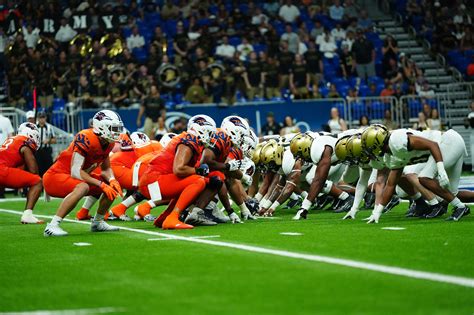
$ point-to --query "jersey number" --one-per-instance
(6, 144)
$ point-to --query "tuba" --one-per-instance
(122, 74)
(168, 75)
(113, 43)
(84, 42)
(216, 70)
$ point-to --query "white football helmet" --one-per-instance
(250, 143)
(167, 138)
(108, 125)
(202, 126)
(31, 131)
(139, 138)
(236, 128)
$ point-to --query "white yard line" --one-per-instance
(416, 274)
(169, 238)
(83, 311)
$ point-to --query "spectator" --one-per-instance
(292, 39)
(327, 47)
(253, 77)
(270, 78)
(364, 56)
(326, 33)
(338, 33)
(30, 117)
(388, 90)
(467, 41)
(426, 109)
(364, 121)
(317, 30)
(299, 79)
(99, 85)
(244, 48)
(271, 127)
(336, 123)
(351, 11)
(421, 124)
(16, 87)
(6, 129)
(365, 22)
(289, 12)
(135, 40)
(160, 129)
(346, 62)
(116, 91)
(80, 94)
(372, 90)
(394, 73)
(389, 51)
(225, 50)
(285, 58)
(65, 32)
(44, 155)
(31, 35)
(333, 93)
(289, 127)
(336, 11)
(434, 123)
(314, 64)
(426, 91)
(196, 93)
(271, 7)
(179, 125)
(169, 11)
(469, 123)
(152, 108)
(181, 43)
(349, 40)
(388, 122)
(259, 18)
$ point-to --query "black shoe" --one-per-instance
(437, 211)
(345, 205)
(421, 208)
(293, 203)
(335, 204)
(253, 205)
(369, 200)
(320, 201)
(183, 215)
(458, 213)
(395, 201)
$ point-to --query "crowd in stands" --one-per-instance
(447, 25)
(125, 53)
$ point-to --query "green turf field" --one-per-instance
(125, 272)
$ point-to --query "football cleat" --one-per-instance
(335, 204)
(219, 215)
(246, 215)
(102, 226)
(369, 200)
(53, 230)
(301, 214)
(28, 218)
(111, 217)
(294, 203)
(437, 210)
(83, 214)
(345, 205)
(149, 218)
(418, 208)
(171, 223)
(395, 201)
(125, 218)
(197, 217)
(458, 213)
(253, 205)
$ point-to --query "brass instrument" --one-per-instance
(84, 42)
(168, 75)
(113, 43)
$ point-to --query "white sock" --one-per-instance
(258, 196)
(130, 201)
(90, 201)
(56, 220)
(457, 203)
(151, 203)
(304, 194)
(98, 217)
(243, 208)
(433, 202)
(28, 212)
(416, 196)
(343, 196)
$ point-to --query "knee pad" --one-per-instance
(400, 192)
(215, 182)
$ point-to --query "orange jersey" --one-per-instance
(236, 154)
(163, 162)
(221, 145)
(10, 155)
(87, 144)
(123, 158)
(146, 148)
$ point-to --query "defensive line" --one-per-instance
(409, 273)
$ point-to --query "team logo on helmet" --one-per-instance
(237, 121)
(101, 116)
(201, 121)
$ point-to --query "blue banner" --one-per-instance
(310, 114)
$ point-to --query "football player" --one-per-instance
(176, 174)
(71, 177)
(16, 152)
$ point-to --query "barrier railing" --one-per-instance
(372, 107)
(411, 105)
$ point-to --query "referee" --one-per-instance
(44, 155)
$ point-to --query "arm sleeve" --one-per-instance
(361, 187)
(76, 165)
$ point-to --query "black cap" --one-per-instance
(41, 114)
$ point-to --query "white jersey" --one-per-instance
(399, 155)
(288, 163)
(318, 146)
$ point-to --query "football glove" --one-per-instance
(443, 178)
(108, 191)
(116, 186)
(246, 215)
(253, 205)
(375, 216)
(202, 170)
(246, 180)
(234, 218)
(234, 165)
(351, 214)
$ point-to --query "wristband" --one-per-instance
(304, 194)
(378, 209)
(267, 204)
(440, 166)
(306, 204)
(275, 205)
